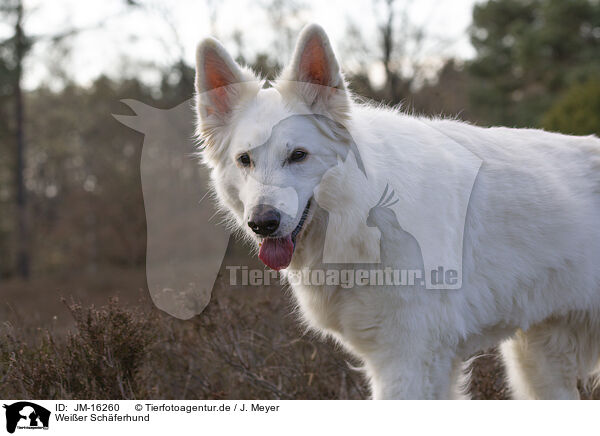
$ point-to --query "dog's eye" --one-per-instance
(298, 155)
(244, 160)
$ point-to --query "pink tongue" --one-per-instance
(277, 253)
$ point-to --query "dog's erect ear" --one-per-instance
(315, 74)
(220, 82)
(314, 61)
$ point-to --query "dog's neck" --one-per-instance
(320, 244)
(310, 243)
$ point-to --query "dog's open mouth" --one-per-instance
(277, 253)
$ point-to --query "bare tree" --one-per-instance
(16, 48)
(23, 260)
(387, 42)
(286, 20)
(403, 47)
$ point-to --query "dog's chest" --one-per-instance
(319, 306)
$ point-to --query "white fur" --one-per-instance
(531, 247)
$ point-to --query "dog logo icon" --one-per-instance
(26, 415)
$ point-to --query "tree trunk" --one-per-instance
(21, 197)
(387, 40)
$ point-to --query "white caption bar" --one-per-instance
(23, 417)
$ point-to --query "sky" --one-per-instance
(121, 41)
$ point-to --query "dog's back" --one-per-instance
(532, 230)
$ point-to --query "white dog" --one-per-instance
(515, 213)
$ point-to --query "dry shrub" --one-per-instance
(101, 359)
(246, 345)
(242, 346)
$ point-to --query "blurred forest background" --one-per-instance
(72, 217)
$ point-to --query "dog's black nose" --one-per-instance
(264, 220)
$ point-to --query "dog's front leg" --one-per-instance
(411, 374)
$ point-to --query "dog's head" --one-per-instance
(269, 148)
